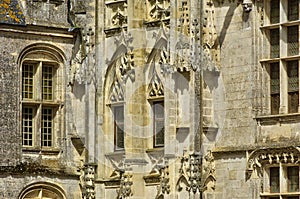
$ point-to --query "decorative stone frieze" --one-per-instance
(261, 157)
(87, 182)
(190, 174)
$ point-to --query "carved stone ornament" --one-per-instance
(159, 10)
(122, 63)
(125, 186)
(82, 67)
(164, 187)
(87, 182)
(209, 172)
(261, 157)
(210, 49)
(195, 45)
(118, 13)
(190, 174)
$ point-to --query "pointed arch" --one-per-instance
(157, 60)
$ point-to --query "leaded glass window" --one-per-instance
(293, 40)
(274, 43)
(274, 13)
(275, 87)
(293, 10)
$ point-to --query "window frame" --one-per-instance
(288, 34)
(114, 107)
(284, 191)
(38, 103)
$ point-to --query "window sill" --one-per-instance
(43, 151)
(280, 118)
(277, 25)
(277, 59)
(281, 194)
(110, 31)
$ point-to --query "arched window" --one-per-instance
(42, 191)
(42, 95)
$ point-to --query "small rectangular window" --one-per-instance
(47, 88)
(47, 126)
(274, 12)
(293, 10)
(27, 81)
(293, 179)
(27, 126)
(274, 180)
(119, 127)
(274, 43)
(159, 124)
(293, 40)
(275, 87)
(293, 86)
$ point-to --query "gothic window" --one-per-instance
(282, 55)
(158, 123)
(41, 100)
(118, 112)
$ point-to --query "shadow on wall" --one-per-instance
(78, 90)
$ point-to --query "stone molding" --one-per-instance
(266, 156)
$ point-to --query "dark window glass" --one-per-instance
(274, 179)
(293, 10)
(293, 179)
(274, 13)
(274, 43)
(275, 87)
(119, 127)
(293, 40)
(159, 124)
(293, 86)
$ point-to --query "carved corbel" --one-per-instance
(87, 181)
(247, 5)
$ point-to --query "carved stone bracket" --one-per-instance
(87, 181)
(125, 186)
(260, 157)
(190, 173)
